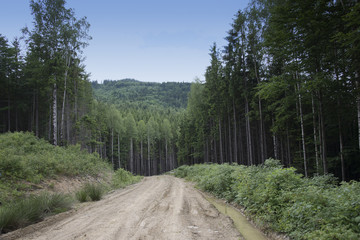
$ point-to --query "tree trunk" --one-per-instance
(229, 143)
(248, 134)
(131, 155)
(275, 143)
(358, 106)
(288, 146)
(149, 165)
(315, 134)
(141, 157)
(112, 147)
(341, 151)
(75, 101)
(341, 145)
(166, 157)
(68, 123)
(220, 143)
(9, 113)
(235, 134)
(54, 113)
(62, 125)
(323, 140)
(302, 131)
(119, 163)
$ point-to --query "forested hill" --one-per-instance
(141, 94)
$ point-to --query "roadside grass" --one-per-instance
(90, 191)
(30, 210)
(282, 200)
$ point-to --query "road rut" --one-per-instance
(159, 207)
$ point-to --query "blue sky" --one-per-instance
(149, 40)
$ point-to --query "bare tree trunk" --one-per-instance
(235, 134)
(229, 143)
(112, 147)
(166, 156)
(323, 140)
(131, 155)
(341, 145)
(68, 123)
(248, 134)
(50, 117)
(220, 143)
(341, 151)
(62, 125)
(275, 143)
(119, 163)
(32, 121)
(288, 146)
(100, 147)
(141, 157)
(9, 113)
(149, 165)
(358, 106)
(302, 131)
(75, 101)
(55, 131)
(315, 134)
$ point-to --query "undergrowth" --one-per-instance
(90, 191)
(123, 178)
(281, 199)
(25, 158)
(30, 210)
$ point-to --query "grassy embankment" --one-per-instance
(27, 162)
(282, 200)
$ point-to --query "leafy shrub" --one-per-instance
(181, 171)
(303, 208)
(23, 157)
(123, 178)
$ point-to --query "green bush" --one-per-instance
(280, 198)
(31, 210)
(81, 195)
(123, 178)
(25, 158)
(94, 191)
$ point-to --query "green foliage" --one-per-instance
(132, 93)
(280, 198)
(123, 178)
(94, 191)
(23, 157)
(90, 191)
(30, 210)
(81, 195)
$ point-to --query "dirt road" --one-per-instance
(159, 207)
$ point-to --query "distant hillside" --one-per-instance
(130, 92)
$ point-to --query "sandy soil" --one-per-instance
(159, 207)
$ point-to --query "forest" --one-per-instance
(285, 85)
(45, 89)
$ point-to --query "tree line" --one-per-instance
(45, 89)
(285, 85)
